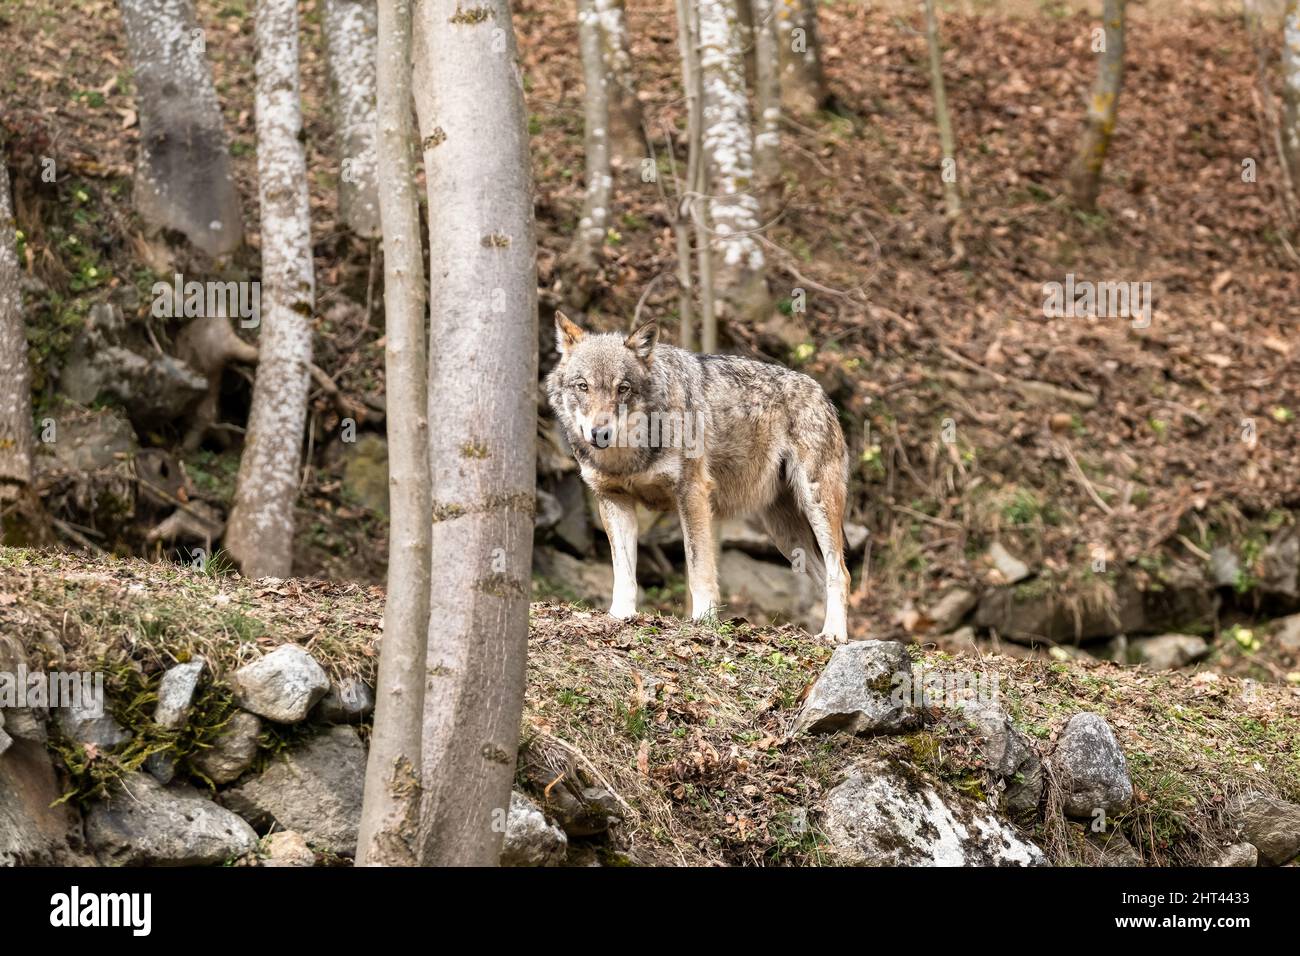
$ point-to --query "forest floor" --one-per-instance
(687, 724)
(971, 416)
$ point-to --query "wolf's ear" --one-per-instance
(643, 340)
(567, 334)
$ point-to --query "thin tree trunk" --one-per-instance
(259, 535)
(767, 97)
(1085, 178)
(589, 239)
(728, 143)
(482, 404)
(948, 170)
(390, 813)
(1291, 91)
(16, 442)
(183, 179)
(626, 136)
(349, 27)
(803, 84)
(688, 189)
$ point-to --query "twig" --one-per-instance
(1082, 479)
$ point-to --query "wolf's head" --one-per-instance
(602, 381)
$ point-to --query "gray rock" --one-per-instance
(1009, 754)
(144, 824)
(161, 766)
(1035, 613)
(365, 472)
(176, 694)
(1168, 651)
(287, 848)
(855, 536)
(774, 590)
(89, 723)
(314, 789)
(1238, 854)
(1012, 569)
(347, 702)
(863, 689)
(1091, 768)
(1279, 564)
(36, 830)
(879, 817)
(949, 611)
(1272, 825)
(530, 839)
(5, 740)
(283, 686)
(26, 723)
(87, 440)
(588, 581)
(574, 524)
(1224, 568)
(1287, 635)
(1112, 848)
(231, 752)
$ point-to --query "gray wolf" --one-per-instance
(710, 437)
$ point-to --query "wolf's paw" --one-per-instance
(623, 612)
(833, 637)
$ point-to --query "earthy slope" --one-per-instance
(687, 724)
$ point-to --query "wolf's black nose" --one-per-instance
(603, 436)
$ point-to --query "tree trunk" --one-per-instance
(259, 535)
(482, 400)
(390, 813)
(626, 136)
(948, 168)
(16, 442)
(767, 98)
(182, 179)
(728, 142)
(1085, 178)
(589, 240)
(1291, 91)
(803, 85)
(349, 27)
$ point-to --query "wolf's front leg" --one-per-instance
(697, 535)
(619, 518)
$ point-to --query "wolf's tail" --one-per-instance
(786, 524)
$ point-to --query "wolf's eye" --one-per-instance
(624, 388)
(580, 386)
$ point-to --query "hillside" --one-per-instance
(686, 728)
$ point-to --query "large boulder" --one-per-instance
(34, 831)
(531, 840)
(863, 689)
(88, 722)
(283, 686)
(1279, 564)
(1271, 825)
(143, 823)
(880, 817)
(347, 702)
(1168, 651)
(315, 789)
(775, 591)
(1091, 767)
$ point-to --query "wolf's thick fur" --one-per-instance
(735, 438)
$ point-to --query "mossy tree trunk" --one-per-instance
(626, 136)
(259, 535)
(589, 239)
(349, 27)
(803, 82)
(943, 119)
(732, 209)
(767, 99)
(483, 419)
(16, 440)
(183, 179)
(1103, 107)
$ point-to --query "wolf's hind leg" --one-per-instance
(787, 525)
(697, 535)
(619, 517)
(821, 489)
